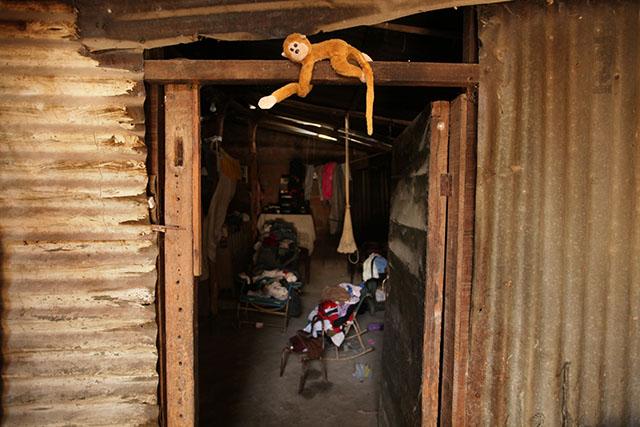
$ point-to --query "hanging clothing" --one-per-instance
(228, 166)
(336, 215)
(217, 213)
(308, 181)
(318, 178)
(327, 180)
(229, 172)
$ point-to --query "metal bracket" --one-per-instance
(163, 228)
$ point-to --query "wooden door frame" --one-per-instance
(181, 80)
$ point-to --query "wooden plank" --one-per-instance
(457, 292)
(425, 74)
(197, 182)
(179, 281)
(436, 226)
(466, 227)
(465, 270)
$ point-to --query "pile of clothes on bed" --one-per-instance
(335, 311)
(269, 283)
(273, 277)
(277, 247)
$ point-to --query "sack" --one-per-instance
(303, 342)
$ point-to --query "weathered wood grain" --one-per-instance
(179, 272)
(428, 74)
(434, 295)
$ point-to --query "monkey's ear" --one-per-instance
(284, 54)
(303, 36)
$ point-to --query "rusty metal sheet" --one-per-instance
(77, 256)
(112, 23)
(556, 294)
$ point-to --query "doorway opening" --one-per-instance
(236, 357)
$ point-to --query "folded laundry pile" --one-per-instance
(335, 311)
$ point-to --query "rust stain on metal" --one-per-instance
(164, 22)
(77, 256)
(555, 336)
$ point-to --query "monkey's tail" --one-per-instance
(368, 76)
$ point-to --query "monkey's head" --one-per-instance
(296, 47)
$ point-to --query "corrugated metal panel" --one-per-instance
(556, 298)
(111, 23)
(77, 257)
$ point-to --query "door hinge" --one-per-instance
(163, 228)
(445, 184)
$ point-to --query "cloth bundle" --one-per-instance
(373, 267)
(269, 284)
(331, 316)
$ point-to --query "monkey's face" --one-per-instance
(296, 47)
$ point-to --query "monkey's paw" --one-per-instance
(267, 102)
(362, 78)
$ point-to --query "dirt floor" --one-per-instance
(239, 383)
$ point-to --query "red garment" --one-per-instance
(327, 180)
(329, 310)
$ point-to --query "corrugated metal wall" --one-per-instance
(77, 256)
(165, 22)
(556, 298)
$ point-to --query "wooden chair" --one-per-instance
(309, 349)
(352, 330)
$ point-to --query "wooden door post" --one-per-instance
(181, 143)
(439, 187)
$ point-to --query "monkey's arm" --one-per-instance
(302, 88)
(305, 79)
(281, 94)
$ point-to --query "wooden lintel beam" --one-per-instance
(425, 74)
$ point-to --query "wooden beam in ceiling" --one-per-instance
(410, 29)
(417, 74)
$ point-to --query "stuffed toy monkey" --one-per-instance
(298, 49)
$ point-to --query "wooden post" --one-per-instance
(180, 309)
(466, 226)
(436, 229)
(197, 182)
(457, 292)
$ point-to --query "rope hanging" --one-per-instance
(347, 242)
